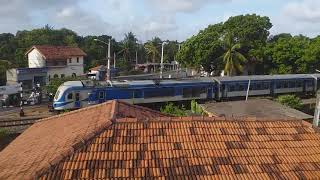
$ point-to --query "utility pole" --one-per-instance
(136, 57)
(161, 68)
(248, 89)
(109, 57)
(114, 60)
(317, 111)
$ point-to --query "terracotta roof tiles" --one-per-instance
(134, 142)
(58, 52)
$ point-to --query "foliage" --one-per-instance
(152, 51)
(251, 31)
(233, 59)
(287, 55)
(195, 108)
(54, 83)
(290, 101)
(171, 109)
(203, 49)
(3, 133)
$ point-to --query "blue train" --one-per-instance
(78, 94)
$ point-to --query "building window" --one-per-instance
(49, 77)
(56, 76)
(62, 75)
(74, 75)
(77, 59)
(70, 60)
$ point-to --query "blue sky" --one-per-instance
(168, 19)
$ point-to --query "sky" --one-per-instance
(167, 19)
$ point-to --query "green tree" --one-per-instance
(290, 101)
(287, 54)
(232, 58)
(252, 32)
(152, 51)
(4, 66)
(311, 56)
(203, 50)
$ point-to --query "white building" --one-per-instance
(60, 61)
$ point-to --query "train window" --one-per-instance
(292, 84)
(193, 92)
(299, 84)
(101, 95)
(203, 90)
(241, 87)
(77, 96)
(310, 83)
(266, 86)
(285, 85)
(70, 96)
(159, 92)
(278, 85)
(187, 92)
(231, 88)
(259, 86)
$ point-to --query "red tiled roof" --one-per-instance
(162, 147)
(47, 141)
(97, 68)
(58, 52)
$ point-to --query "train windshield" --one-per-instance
(57, 95)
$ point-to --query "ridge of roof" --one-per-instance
(57, 52)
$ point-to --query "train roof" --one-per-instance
(265, 77)
(158, 82)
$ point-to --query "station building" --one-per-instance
(46, 62)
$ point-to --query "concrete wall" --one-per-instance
(35, 59)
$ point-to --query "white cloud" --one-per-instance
(181, 5)
(306, 10)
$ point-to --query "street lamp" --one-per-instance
(108, 56)
(161, 68)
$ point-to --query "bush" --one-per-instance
(195, 108)
(171, 109)
(3, 133)
(290, 101)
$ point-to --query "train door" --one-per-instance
(77, 102)
(272, 88)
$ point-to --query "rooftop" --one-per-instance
(259, 108)
(132, 142)
(266, 77)
(58, 52)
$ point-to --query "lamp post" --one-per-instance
(161, 68)
(108, 56)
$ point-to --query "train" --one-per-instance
(78, 94)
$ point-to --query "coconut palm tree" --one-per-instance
(232, 58)
(152, 51)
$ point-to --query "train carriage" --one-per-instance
(78, 94)
(271, 85)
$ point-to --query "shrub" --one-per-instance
(171, 109)
(3, 133)
(195, 108)
(290, 101)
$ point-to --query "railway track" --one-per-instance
(19, 125)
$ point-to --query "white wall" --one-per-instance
(71, 68)
(35, 59)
